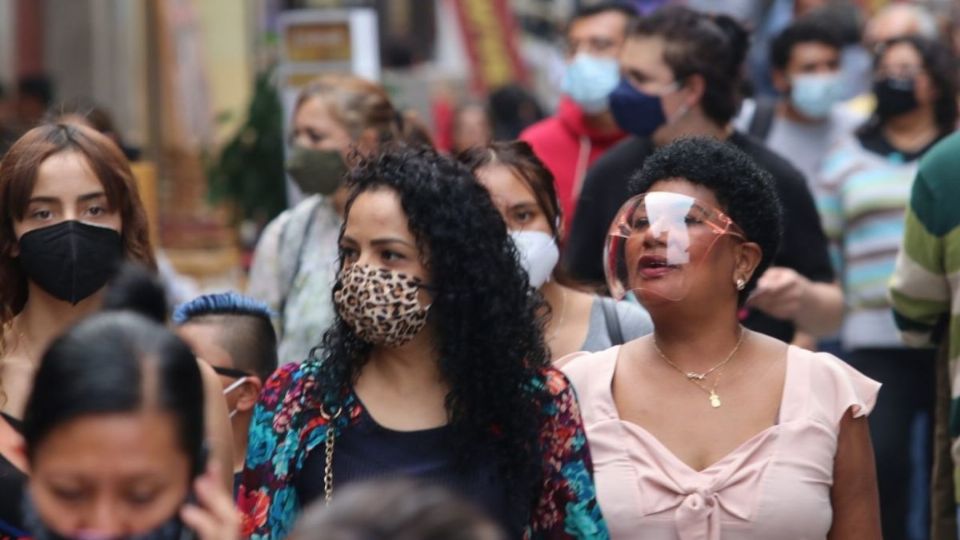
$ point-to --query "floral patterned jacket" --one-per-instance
(287, 425)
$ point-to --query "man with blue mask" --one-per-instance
(803, 122)
(583, 127)
(234, 334)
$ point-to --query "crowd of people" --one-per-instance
(676, 309)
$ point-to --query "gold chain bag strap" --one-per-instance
(328, 459)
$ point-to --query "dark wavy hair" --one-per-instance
(487, 319)
(712, 46)
(518, 156)
(809, 29)
(938, 63)
(746, 192)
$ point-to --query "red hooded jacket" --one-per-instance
(567, 146)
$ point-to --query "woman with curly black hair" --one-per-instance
(706, 429)
(435, 368)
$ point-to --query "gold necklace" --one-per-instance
(695, 377)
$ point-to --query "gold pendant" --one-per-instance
(714, 400)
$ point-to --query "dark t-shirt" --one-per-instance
(367, 450)
(803, 247)
(12, 482)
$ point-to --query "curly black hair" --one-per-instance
(809, 29)
(745, 192)
(487, 318)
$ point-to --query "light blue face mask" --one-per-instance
(814, 95)
(588, 81)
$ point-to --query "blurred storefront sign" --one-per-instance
(317, 41)
(490, 36)
(314, 41)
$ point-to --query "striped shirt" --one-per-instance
(862, 196)
(925, 289)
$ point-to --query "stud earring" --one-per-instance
(741, 283)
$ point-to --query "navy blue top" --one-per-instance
(12, 482)
(367, 450)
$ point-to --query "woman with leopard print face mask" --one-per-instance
(435, 368)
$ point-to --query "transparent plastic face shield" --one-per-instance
(657, 241)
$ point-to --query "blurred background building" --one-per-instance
(196, 90)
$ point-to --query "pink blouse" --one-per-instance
(774, 485)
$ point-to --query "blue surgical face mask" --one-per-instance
(637, 112)
(588, 81)
(814, 95)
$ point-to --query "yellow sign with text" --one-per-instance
(318, 42)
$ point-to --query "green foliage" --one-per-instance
(249, 171)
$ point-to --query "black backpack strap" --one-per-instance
(612, 319)
(763, 114)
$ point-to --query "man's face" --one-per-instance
(599, 35)
(813, 58)
(810, 58)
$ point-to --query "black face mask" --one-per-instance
(70, 260)
(894, 97)
(171, 529)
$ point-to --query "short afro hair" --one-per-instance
(809, 29)
(610, 6)
(745, 192)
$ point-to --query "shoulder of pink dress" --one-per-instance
(836, 385)
(582, 367)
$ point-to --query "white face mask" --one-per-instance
(233, 386)
(539, 255)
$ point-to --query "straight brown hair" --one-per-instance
(18, 175)
(519, 157)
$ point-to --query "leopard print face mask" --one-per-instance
(382, 306)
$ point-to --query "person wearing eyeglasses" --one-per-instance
(233, 334)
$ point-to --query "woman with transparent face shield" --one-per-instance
(705, 429)
(523, 190)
